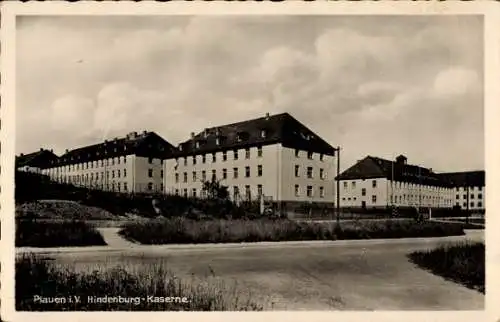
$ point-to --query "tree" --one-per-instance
(215, 190)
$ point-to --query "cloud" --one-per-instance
(374, 85)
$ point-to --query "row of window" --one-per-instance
(471, 196)
(309, 191)
(310, 172)
(194, 159)
(113, 173)
(353, 184)
(236, 192)
(472, 188)
(310, 155)
(214, 174)
(472, 204)
(97, 164)
(401, 198)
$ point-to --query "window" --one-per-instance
(259, 151)
(119, 173)
(297, 191)
(480, 204)
(472, 196)
(465, 196)
(259, 171)
(236, 192)
(235, 172)
(161, 186)
(150, 186)
(309, 191)
(224, 156)
(185, 161)
(363, 192)
(118, 162)
(194, 176)
(310, 155)
(374, 183)
(247, 153)
(345, 185)
(297, 171)
(247, 172)
(309, 172)
(259, 190)
(161, 173)
(125, 187)
(124, 173)
(214, 158)
(458, 197)
(150, 160)
(185, 193)
(374, 199)
(203, 158)
(176, 178)
(113, 174)
(322, 174)
(224, 173)
(124, 161)
(297, 153)
(194, 159)
(235, 152)
(150, 173)
(119, 186)
(203, 175)
(480, 196)
(472, 204)
(194, 192)
(465, 204)
(185, 177)
(354, 184)
(214, 175)
(248, 193)
(321, 192)
(263, 133)
(321, 157)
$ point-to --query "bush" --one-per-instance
(37, 276)
(463, 263)
(56, 234)
(183, 231)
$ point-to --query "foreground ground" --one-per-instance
(341, 275)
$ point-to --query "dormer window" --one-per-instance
(263, 133)
(197, 144)
(180, 147)
(238, 137)
(217, 141)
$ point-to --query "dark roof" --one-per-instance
(465, 179)
(279, 128)
(145, 144)
(40, 159)
(373, 167)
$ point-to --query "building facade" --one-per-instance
(378, 183)
(275, 157)
(133, 164)
(36, 162)
(468, 189)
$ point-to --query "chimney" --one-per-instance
(41, 149)
(144, 132)
(22, 154)
(51, 150)
(401, 159)
(267, 116)
(66, 151)
(217, 132)
(192, 135)
(206, 133)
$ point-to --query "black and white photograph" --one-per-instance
(248, 162)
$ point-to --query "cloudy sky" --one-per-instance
(377, 86)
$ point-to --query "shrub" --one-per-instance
(182, 230)
(55, 234)
(463, 263)
(38, 276)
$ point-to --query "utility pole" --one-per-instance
(338, 184)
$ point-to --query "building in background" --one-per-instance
(378, 183)
(36, 161)
(468, 189)
(130, 164)
(273, 156)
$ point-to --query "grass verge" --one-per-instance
(56, 234)
(184, 231)
(462, 263)
(36, 276)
